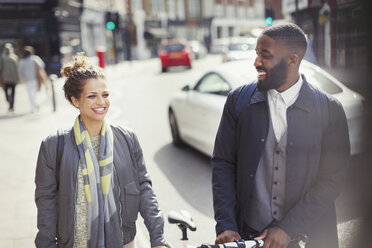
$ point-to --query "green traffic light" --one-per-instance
(269, 21)
(110, 25)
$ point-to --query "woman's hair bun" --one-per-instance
(76, 73)
(80, 61)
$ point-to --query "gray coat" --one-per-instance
(56, 208)
(9, 69)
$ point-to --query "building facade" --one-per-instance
(94, 33)
(337, 27)
(39, 23)
(235, 17)
(58, 29)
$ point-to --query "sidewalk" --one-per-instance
(22, 105)
(21, 134)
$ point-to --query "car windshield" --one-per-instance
(240, 46)
(174, 47)
(313, 76)
(212, 83)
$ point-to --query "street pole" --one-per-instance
(128, 34)
(52, 79)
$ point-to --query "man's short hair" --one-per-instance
(26, 53)
(290, 35)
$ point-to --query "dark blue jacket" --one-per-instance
(317, 159)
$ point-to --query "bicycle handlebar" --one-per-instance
(184, 221)
(240, 244)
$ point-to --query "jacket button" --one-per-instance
(251, 175)
(262, 140)
(291, 143)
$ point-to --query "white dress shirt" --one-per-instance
(278, 105)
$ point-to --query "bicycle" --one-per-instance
(184, 221)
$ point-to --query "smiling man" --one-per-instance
(279, 163)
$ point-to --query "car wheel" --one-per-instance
(189, 67)
(174, 129)
(164, 69)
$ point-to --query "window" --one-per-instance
(219, 32)
(194, 8)
(218, 10)
(231, 31)
(180, 9)
(213, 83)
(242, 11)
(157, 7)
(9, 27)
(136, 5)
(174, 47)
(171, 9)
(230, 11)
(241, 46)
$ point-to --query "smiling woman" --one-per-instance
(89, 94)
(91, 186)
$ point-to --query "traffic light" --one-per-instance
(269, 16)
(269, 21)
(112, 20)
(110, 25)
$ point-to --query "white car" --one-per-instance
(218, 46)
(240, 48)
(198, 48)
(195, 112)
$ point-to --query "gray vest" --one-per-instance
(268, 195)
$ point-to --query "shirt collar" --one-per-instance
(289, 94)
(258, 96)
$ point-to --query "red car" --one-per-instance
(175, 53)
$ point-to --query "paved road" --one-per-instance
(181, 177)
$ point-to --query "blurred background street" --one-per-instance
(181, 176)
(126, 37)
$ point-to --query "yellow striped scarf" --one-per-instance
(98, 183)
(87, 161)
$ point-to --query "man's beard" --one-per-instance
(274, 78)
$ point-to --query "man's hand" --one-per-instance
(274, 237)
(227, 236)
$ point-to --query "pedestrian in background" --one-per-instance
(9, 74)
(28, 67)
(103, 182)
(279, 164)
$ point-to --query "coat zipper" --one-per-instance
(120, 205)
(76, 189)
